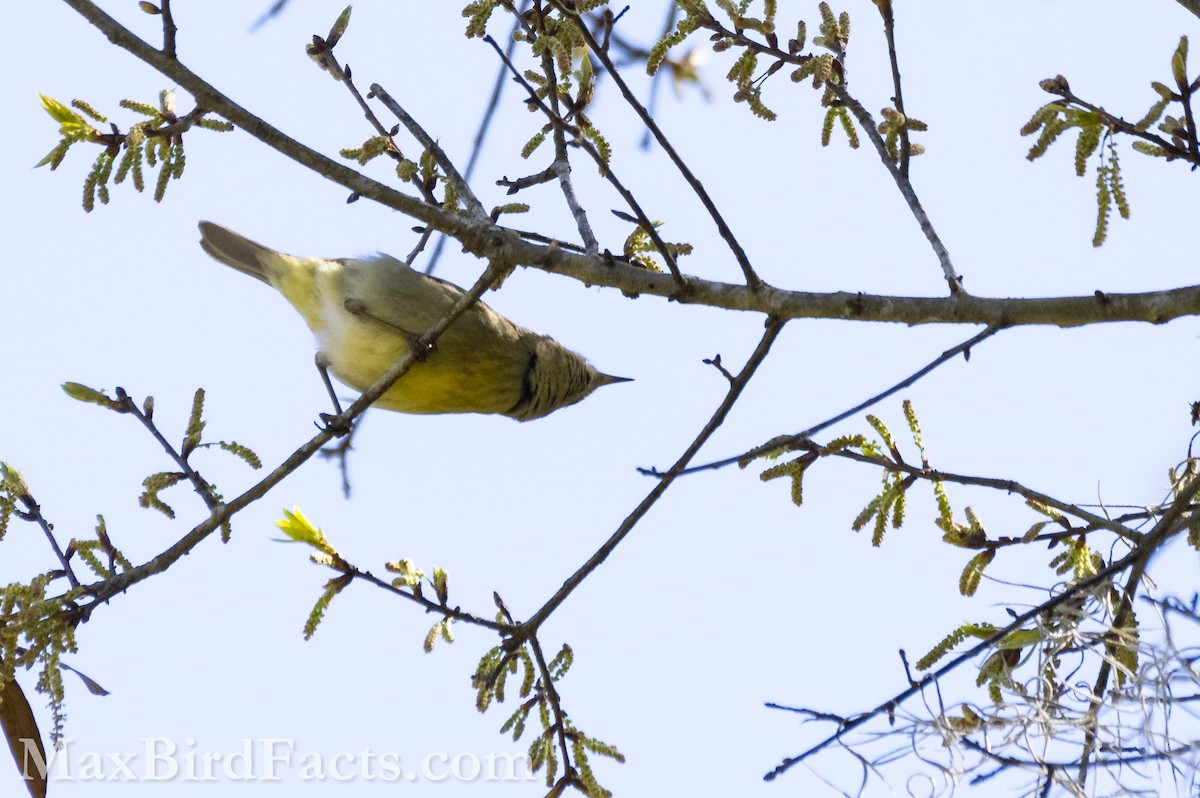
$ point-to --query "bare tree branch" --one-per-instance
(775, 444)
(490, 240)
(1191, 5)
(752, 280)
(869, 127)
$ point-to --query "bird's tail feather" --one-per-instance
(235, 251)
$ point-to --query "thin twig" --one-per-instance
(953, 280)
(562, 170)
(773, 327)
(341, 452)
(169, 30)
(1002, 485)
(871, 130)
(643, 220)
(783, 442)
(656, 82)
(33, 512)
(485, 124)
(1119, 125)
(146, 418)
(635, 53)
(889, 32)
(419, 248)
(330, 62)
(1191, 5)
(562, 163)
(739, 254)
(432, 147)
(545, 239)
(528, 181)
(274, 10)
(1100, 687)
(560, 717)
(454, 613)
(1127, 758)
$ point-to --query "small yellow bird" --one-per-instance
(365, 312)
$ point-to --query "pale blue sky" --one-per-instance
(726, 596)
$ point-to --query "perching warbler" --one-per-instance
(365, 311)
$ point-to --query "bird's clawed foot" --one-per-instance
(335, 424)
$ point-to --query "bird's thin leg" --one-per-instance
(357, 307)
(333, 420)
(323, 366)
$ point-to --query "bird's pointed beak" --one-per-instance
(608, 379)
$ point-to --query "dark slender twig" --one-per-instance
(1191, 5)
(953, 280)
(643, 220)
(773, 327)
(560, 717)
(1121, 126)
(635, 53)
(428, 143)
(528, 181)
(485, 124)
(782, 442)
(272, 11)
(33, 512)
(739, 254)
(1100, 687)
(169, 30)
(1124, 760)
(889, 32)
(812, 713)
(1062, 535)
(656, 83)
(329, 62)
(145, 415)
(1175, 606)
(453, 613)
(341, 452)
(557, 242)
(870, 129)
(432, 147)
(562, 164)
(419, 248)
(1003, 485)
